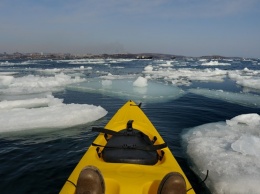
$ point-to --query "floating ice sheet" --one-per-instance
(58, 115)
(247, 78)
(129, 88)
(214, 63)
(30, 102)
(94, 61)
(7, 73)
(140, 82)
(230, 151)
(184, 76)
(32, 84)
(247, 145)
(7, 63)
(26, 103)
(110, 76)
(167, 64)
(83, 61)
(245, 99)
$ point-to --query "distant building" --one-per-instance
(144, 57)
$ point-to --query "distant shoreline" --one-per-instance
(67, 56)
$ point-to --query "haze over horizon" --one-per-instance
(190, 28)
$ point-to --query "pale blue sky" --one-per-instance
(181, 27)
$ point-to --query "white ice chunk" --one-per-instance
(229, 152)
(245, 99)
(6, 80)
(106, 83)
(185, 75)
(148, 68)
(140, 82)
(110, 76)
(250, 120)
(7, 63)
(51, 71)
(118, 67)
(123, 88)
(247, 78)
(214, 63)
(30, 103)
(247, 145)
(36, 84)
(253, 82)
(8, 73)
(168, 64)
(58, 116)
(84, 61)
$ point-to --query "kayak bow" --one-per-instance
(130, 153)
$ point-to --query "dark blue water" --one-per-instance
(40, 162)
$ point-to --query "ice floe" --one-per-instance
(27, 103)
(168, 64)
(94, 61)
(230, 151)
(30, 84)
(140, 82)
(7, 63)
(138, 89)
(184, 76)
(30, 103)
(58, 115)
(214, 63)
(244, 99)
(246, 78)
(83, 61)
(110, 76)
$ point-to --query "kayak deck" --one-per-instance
(136, 172)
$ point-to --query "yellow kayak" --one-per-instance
(130, 153)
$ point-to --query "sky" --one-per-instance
(179, 27)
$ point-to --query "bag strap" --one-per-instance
(104, 130)
(119, 133)
(144, 148)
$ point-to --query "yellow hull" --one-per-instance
(126, 178)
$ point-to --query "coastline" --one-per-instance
(68, 56)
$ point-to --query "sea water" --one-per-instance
(206, 110)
